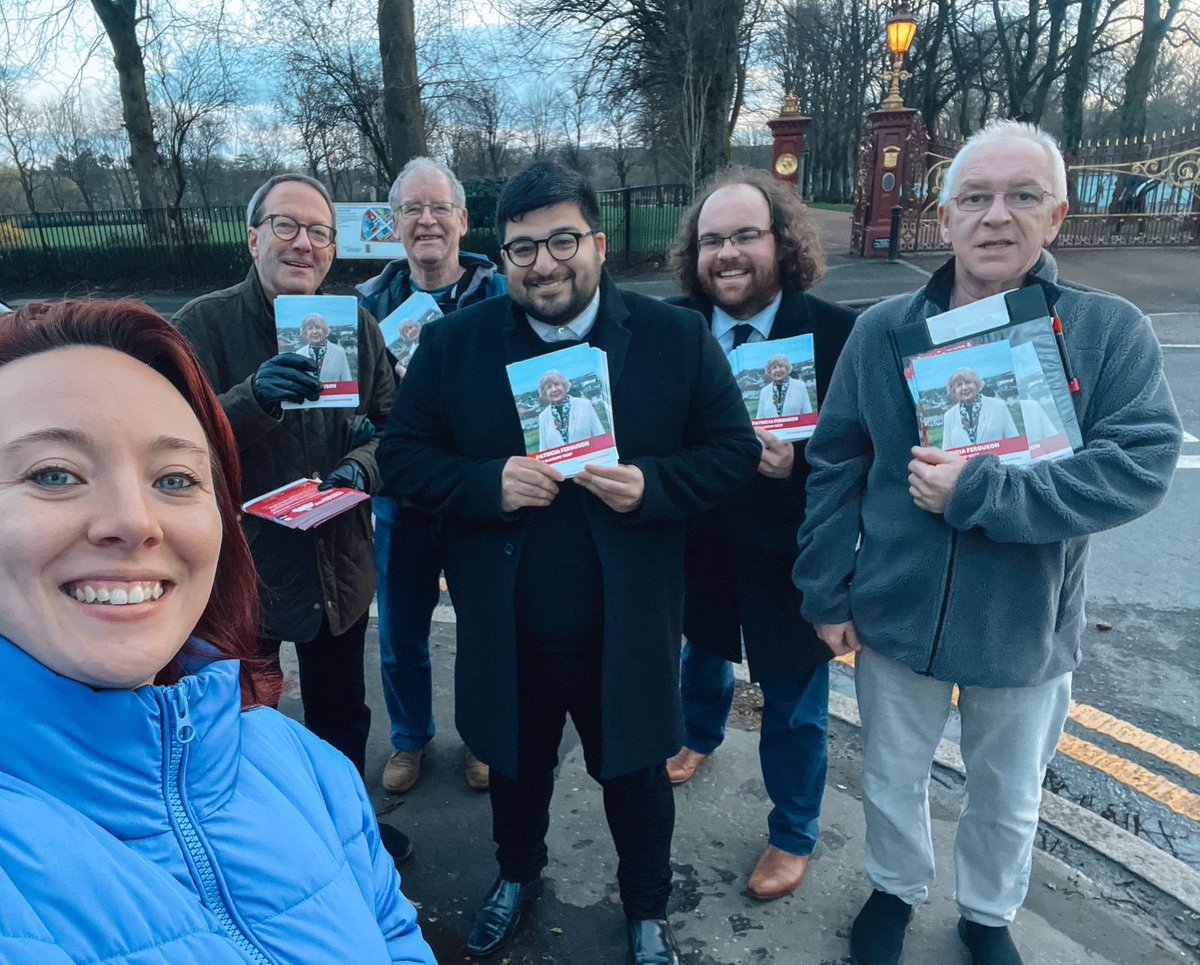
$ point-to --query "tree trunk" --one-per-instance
(403, 119)
(1155, 26)
(1076, 79)
(120, 23)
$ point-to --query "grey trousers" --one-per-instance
(1008, 738)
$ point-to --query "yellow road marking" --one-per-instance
(1166, 792)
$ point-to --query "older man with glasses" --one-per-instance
(429, 210)
(940, 572)
(317, 585)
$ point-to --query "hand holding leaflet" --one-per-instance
(302, 504)
(286, 377)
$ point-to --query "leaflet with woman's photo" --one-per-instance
(323, 328)
(565, 405)
(402, 328)
(778, 383)
(968, 402)
(1033, 384)
(301, 505)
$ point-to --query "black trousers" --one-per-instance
(333, 687)
(640, 806)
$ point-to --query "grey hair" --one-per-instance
(457, 192)
(1003, 131)
(778, 358)
(963, 373)
(554, 374)
(254, 210)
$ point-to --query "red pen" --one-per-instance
(1072, 382)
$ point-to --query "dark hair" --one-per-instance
(258, 200)
(801, 257)
(230, 618)
(544, 185)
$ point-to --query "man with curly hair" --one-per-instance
(745, 254)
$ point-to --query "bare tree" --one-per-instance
(71, 126)
(18, 131)
(1157, 18)
(401, 91)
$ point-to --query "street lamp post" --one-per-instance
(901, 29)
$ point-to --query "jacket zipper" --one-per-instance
(181, 734)
(937, 633)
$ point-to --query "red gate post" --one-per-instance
(788, 129)
(897, 163)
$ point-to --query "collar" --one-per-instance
(575, 330)
(723, 323)
(103, 753)
(1044, 273)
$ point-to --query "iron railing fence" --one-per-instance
(131, 249)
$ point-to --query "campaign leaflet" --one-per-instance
(323, 328)
(1027, 374)
(968, 402)
(402, 328)
(300, 505)
(564, 402)
(778, 383)
(366, 231)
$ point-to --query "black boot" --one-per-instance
(877, 936)
(988, 945)
(651, 942)
(498, 916)
(396, 843)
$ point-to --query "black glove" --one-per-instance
(360, 430)
(285, 378)
(349, 474)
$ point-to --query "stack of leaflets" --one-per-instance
(565, 405)
(988, 379)
(402, 328)
(323, 328)
(300, 505)
(779, 385)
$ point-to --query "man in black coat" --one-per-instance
(569, 594)
(745, 253)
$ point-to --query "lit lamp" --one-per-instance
(901, 28)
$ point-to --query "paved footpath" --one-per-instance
(720, 831)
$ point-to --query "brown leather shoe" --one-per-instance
(402, 770)
(479, 775)
(682, 766)
(777, 874)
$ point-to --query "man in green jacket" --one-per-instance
(317, 585)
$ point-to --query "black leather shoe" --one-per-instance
(396, 843)
(651, 942)
(987, 944)
(498, 916)
(877, 935)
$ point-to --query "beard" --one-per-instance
(751, 295)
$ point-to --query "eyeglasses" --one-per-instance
(561, 245)
(1018, 199)
(739, 239)
(286, 229)
(439, 209)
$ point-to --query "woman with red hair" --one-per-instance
(151, 808)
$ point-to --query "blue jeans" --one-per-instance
(791, 746)
(408, 562)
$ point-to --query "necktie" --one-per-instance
(741, 334)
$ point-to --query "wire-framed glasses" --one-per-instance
(1018, 199)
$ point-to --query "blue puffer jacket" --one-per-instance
(164, 826)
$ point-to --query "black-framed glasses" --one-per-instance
(1018, 199)
(286, 229)
(439, 209)
(562, 246)
(739, 239)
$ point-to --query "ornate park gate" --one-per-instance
(1136, 192)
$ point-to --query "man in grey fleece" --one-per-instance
(972, 573)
